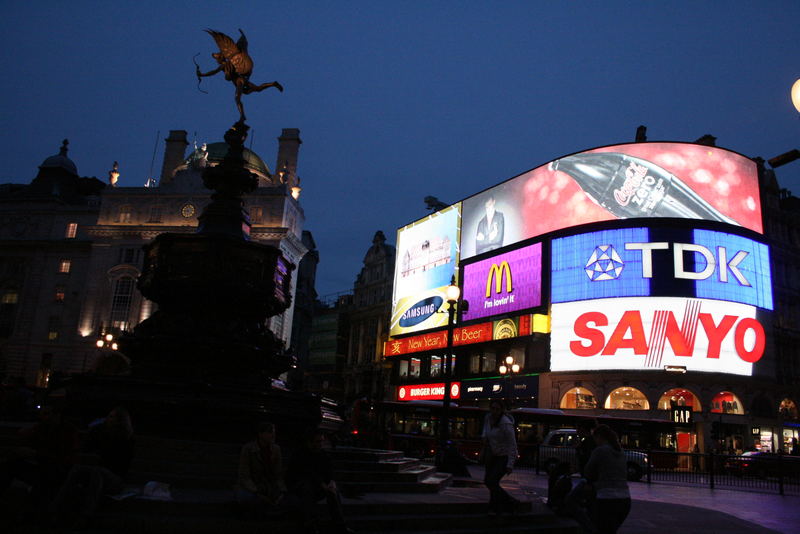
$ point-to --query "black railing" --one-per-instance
(777, 473)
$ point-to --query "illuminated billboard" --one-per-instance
(655, 333)
(427, 257)
(615, 182)
(639, 262)
(504, 283)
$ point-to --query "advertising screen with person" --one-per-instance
(638, 180)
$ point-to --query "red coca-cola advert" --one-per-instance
(638, 180)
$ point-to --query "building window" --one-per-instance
(402, 369)
(678, 397)
(8, 309)
(64, 266)
(436, 366)
(125, 214)
(726, 402)
(155, 214)
(45, 369)
(72, 231)
(488, 362)
(415, 368)
(128, 255)
(627, 398)
(60, 294)
(578, 399)
(121, 302)
(256, 214)
(53, 323)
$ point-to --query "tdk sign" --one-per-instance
(633, 262)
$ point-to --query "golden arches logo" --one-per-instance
(498, 272)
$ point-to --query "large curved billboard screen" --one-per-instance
(638, 180)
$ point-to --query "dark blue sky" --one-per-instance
(397, 100)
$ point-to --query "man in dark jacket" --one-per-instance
(309, 478)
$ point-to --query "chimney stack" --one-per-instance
(174, 153)
(288, 148)
(707, 140)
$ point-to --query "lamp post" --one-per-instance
(508, 367)
(452, 293)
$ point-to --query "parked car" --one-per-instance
(763, 464)
(559, 446)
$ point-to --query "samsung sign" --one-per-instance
(634, 262)
(656, 333)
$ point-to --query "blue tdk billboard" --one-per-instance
(642, 262)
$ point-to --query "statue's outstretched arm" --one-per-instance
(209, 73)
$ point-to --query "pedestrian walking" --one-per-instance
(499, 454)
(607, 471)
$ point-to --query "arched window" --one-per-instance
(726, 402)
(627, 398)
(121, 302)
(578, 399)
(788, 409)
(679, 397)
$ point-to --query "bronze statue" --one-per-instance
(237, 65)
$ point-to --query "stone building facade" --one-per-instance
(369, 317)
(71, 249)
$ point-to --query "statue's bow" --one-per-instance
(197, 70)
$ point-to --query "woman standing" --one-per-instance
(607, 470)
(500, 453)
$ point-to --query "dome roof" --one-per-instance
(217, 152)
(60, 161)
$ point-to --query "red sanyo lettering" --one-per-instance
(630, 334)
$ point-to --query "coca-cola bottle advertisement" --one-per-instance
(617, 182)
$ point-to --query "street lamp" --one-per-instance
(796, 95)
(452, 293)
(508, 367)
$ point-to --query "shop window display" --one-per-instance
(679, 397)
(578, 399)
(726, 402)
(627, 398)
(788, 409)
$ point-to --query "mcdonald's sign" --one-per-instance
(497, 273)
(504, 283)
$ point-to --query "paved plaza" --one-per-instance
(664, 508)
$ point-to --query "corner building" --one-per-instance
(645, 281)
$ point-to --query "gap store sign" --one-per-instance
(640, 262)
(504, 283)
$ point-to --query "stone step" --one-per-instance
(159, 465)
(450, 518)
(458, 524)
(188, 480)
(414, 474)
(430, 484)
(394, 464)
(363, 455)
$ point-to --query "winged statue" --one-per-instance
(237, 65)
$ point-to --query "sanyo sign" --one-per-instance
(630, 262)
(656, 333)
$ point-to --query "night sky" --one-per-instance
(396, 100)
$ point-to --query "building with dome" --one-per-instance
(71, 248)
